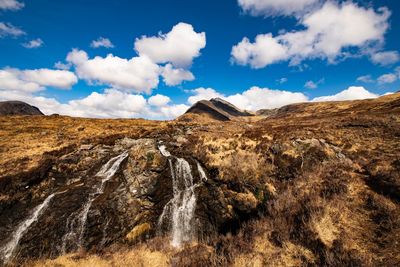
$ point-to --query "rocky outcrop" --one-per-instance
(18, 108)
(86, 211)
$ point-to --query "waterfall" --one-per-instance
(76, 222)
(179, 211)
(202, 173)
(8, 250)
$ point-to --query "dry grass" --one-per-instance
(314, 202)
(140, 257)
(25, 139)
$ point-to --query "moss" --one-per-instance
(150, 156)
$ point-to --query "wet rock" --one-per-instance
(128, 206)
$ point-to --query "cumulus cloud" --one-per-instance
(109, 104)
(264, 51)
(35, 43)
(275, 7)
(112, 103)
(173, 111)
(351, 93)
(257, 98)
(138, 74)
(174, 76)
(102, 42)
(159, 100)
(35, 80)
(11, 5)
(329, 32)
(117, 104)
(252, 99)
(10, 80)
(179, 47)
(203, 94)
(385, 58)
(7, 29)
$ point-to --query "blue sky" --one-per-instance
(34, 35)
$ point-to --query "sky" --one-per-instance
(153, 59)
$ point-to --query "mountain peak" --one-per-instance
(218, 109)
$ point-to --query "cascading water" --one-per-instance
(182, 206)
(8, 249)
(202, 173)
(76, 222)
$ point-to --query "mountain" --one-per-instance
(18, 108)
(217, 109)
(312, 184)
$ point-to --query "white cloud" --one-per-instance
(313, 85)
(385, 58)
(264, 51)
(257, 98)
(174, 76)
(141, 74)
(173, 111)
(117, 104)
(35, 43)
(7, 29)
(282, 80)
(11, 5)
(203, 94)
(365, 79)
(35, 80)
(275, 7)
(351, 93)
(62, 66)
(61, 79)
(138, 74)
(10, 80)
(329, 31)
(252, 99)
(102, 42)
(159, 100)
(179, 47)
(110, 104)
(387, 78)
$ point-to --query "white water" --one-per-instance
(180, 209)
(202, 173)
(8, 249)
(76, 222)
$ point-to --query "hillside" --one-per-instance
(314, 184)
(217, 109)
(18, 108)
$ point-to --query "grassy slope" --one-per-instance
(321, 202)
